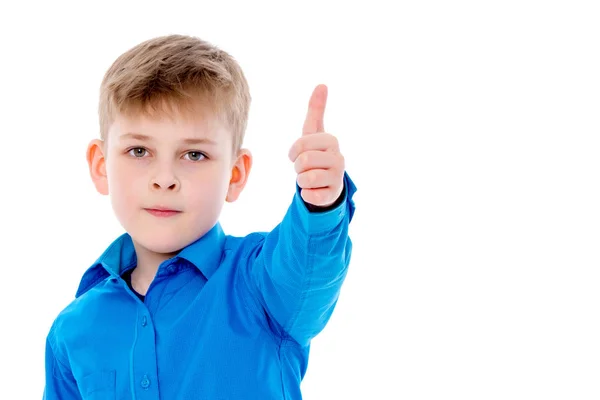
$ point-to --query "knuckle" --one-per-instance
(311, 177)
(317, 197)
(334, 142)
(304, 159)
(300, 181)
(297, 148)
(308, 195)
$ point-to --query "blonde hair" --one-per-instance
(175, 70)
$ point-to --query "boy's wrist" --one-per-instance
(316, 209)
(315, 220)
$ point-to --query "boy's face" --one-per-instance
(168, 178)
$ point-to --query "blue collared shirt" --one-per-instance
(227, 318)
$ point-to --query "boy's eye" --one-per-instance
(195, 156)
(138, 152)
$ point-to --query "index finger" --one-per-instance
(316, 111)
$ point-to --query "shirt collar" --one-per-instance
(205, 253)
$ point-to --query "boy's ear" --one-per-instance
(239, 175)
(97, 164)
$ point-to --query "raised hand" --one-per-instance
(316, 156)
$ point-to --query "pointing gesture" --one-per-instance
(316, 156)
(316, 111)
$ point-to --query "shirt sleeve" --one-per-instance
(60, 383)
(300, 266)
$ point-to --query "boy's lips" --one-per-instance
(162, 211)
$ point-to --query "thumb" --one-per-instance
(316, 111)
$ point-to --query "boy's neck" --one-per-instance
(147, 265)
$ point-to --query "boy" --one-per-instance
(174, 308)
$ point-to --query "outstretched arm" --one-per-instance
(298, 270)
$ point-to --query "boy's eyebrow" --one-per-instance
(199, 141)
(190, 141)
(137, 136)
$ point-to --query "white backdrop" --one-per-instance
(471, 129)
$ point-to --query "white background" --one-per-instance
(471, 129)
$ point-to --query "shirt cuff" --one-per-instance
(320, 220)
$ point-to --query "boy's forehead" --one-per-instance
(189, 122)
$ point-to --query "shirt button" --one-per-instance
(145, 383)
(144, 321)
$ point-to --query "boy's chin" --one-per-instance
(162, 245)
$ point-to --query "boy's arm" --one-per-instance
(60, 383)
(298, 270)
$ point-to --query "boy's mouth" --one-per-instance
(162, 212)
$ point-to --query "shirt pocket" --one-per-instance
(99, 385)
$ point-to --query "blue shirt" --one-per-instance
(227, 318)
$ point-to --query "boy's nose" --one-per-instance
(165, 182)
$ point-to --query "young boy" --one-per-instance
(174, 308)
